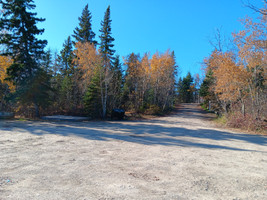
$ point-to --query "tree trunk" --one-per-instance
(243, 109)
(105, 100)
(36, 108)
(102, 94)
(2, 102)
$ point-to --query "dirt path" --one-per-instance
(176, 157)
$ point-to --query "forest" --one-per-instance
(235, 75)
(87, 77)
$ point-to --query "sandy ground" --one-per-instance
(182, 156)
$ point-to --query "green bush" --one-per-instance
(154, 110)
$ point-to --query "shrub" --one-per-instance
(222, 119)
(154, 110)
(247, 122)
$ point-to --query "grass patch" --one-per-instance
(204, 107)
(221, 120)
(22, 119)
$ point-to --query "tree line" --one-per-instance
(85, 77)
(235, 77)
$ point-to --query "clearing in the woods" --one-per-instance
(182, 156)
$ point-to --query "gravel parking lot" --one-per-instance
(182, 156)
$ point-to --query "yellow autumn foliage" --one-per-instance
(87, 59)
(5, 62)
(231, 79)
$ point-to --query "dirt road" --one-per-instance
(176, 157)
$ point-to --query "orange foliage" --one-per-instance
(5, 62)
(163, 71)
(145, 75)
(162, 67)
(231, 79)
(87, 60)
(252, 43)
(252, 47)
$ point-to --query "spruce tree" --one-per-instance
(47, 61)
(206, 91)
(92, 97)
(205, 86)
(67, 68)
(116, 85)
(179, 90)
(84, 32)
(106, 39)
(188, 82)
(67, 57)
(185, 92)
(107, 53)
(19, 37)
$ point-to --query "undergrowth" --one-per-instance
(221, 120)
(247, 122)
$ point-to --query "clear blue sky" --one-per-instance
(141, 26)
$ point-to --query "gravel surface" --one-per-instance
(182, 156)
(65, 118)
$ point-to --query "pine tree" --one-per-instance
(92, 97)
(20, 37)
(185, 90)
(107, 53)
(179, 86)
(188, 83)
(205, 88)
(67, 57)
(84, 32)
(67, 68)
(26, 50)
(47, 61)
(116, 85)
(66, 93)
(106, 39)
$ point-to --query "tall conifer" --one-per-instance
(107, 53)
(19, 37)
(84, 32)
(67, 57)
(106, 39)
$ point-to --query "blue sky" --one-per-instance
(141, 26)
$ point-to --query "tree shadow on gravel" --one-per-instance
(193, 111)
(141, 132)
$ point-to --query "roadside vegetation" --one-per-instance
(87, 77)
(235, 84)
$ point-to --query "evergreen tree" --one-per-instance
(116, 85)
(67, 57)
(179, 90)
(188, 83)
(66, 94)
(107, 53)
(84, 32)
(205, 88)
(106, 39)
(92, 97)
(25, 49)
(67, 84)
(47, 61)
(185, 89)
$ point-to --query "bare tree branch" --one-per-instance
(262, 11)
